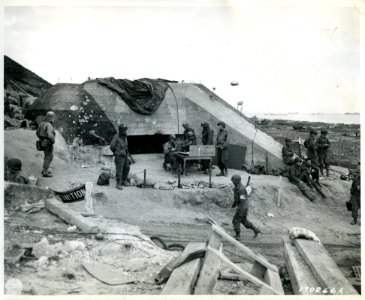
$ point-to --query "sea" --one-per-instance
(347, 118)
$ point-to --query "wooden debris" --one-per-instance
(70, 216)
(183, 278)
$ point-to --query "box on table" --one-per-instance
(202, 150)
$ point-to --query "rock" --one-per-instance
(136, 265)
(14, 286)
(71, 228)
(74, 245)
(44, 249)
(99, 236)
(42, 262)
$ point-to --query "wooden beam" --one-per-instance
(262, 260)
(183, 278)
(301, 277)
(272, 279)
(323, 267)
(210, 269)
(245, 275)
(71, 216)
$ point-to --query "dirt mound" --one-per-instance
(20, 143)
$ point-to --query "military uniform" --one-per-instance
(241, 203)
(119, 146)
(169, 154)
(310, 144)
(207, 139)
(222, 149)
(288, 153)
(355, 197)
(295, 176)
(322, 145)
(47, 135)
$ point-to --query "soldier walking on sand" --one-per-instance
(241, 202)
(323, 144)
(119, 146)
(47, 136)
(222, 149)
(355, 195)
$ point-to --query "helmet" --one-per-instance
(222, 123)
(297, 159)
(313, 132)
(122, 127)
(236, 178)
(172, 137)
(185, 124)
(287, 140)
(324, 131)
(14, 164)
(50, 114)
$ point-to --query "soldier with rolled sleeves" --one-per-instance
(241, 202)
(355, 195)
(222, 149)
(47, 136)
(119, 146)
(323, 145)
(207, 139)
(287, 152)
(13, 169)
(310, 144)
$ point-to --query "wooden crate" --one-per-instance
(202, 150)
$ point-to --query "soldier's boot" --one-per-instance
(238, 235)
(225, 172)
(46, 173)
(119, 184)
(321, 168)
(256, 231)
(354, 221)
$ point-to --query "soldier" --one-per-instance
(119, 146)
(222, 149)
(310, 144)
(310, 175)
(323, 144)
(241, 201)
(187, 129)
(207, 139)
(47, 135)
(190, 140)
(296, 176)
(355, 195)
(13, 169)
(288, 152)
(169, 149)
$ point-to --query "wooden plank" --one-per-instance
(183, 278)
(272, 279)
(245, 275)
(262, 260)
(301, 277)
(323, 267)
(70, 216)
(210, 269)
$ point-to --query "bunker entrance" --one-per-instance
(144, 144)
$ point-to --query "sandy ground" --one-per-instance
(178, 216)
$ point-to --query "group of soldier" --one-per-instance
(175, 152)
(307, 172)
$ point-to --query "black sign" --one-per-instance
(76, 194)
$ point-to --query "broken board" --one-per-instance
(107, 274)
(183, 278)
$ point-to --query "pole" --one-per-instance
(144, 178)
(339, 160)
(210, 175)
(178, 177)
(279, 193)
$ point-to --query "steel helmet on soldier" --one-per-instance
(236, 178)
(14, 164)
(50, 114)
(172, 137)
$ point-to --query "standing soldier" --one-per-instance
(187, 129)
(119, 146)
(222, 148)
(47, 135)
(207, 139)
(355, 195)
(322, 150)
(242, 203)
(288, 152)
(310, 144)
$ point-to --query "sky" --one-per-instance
(298, 58)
